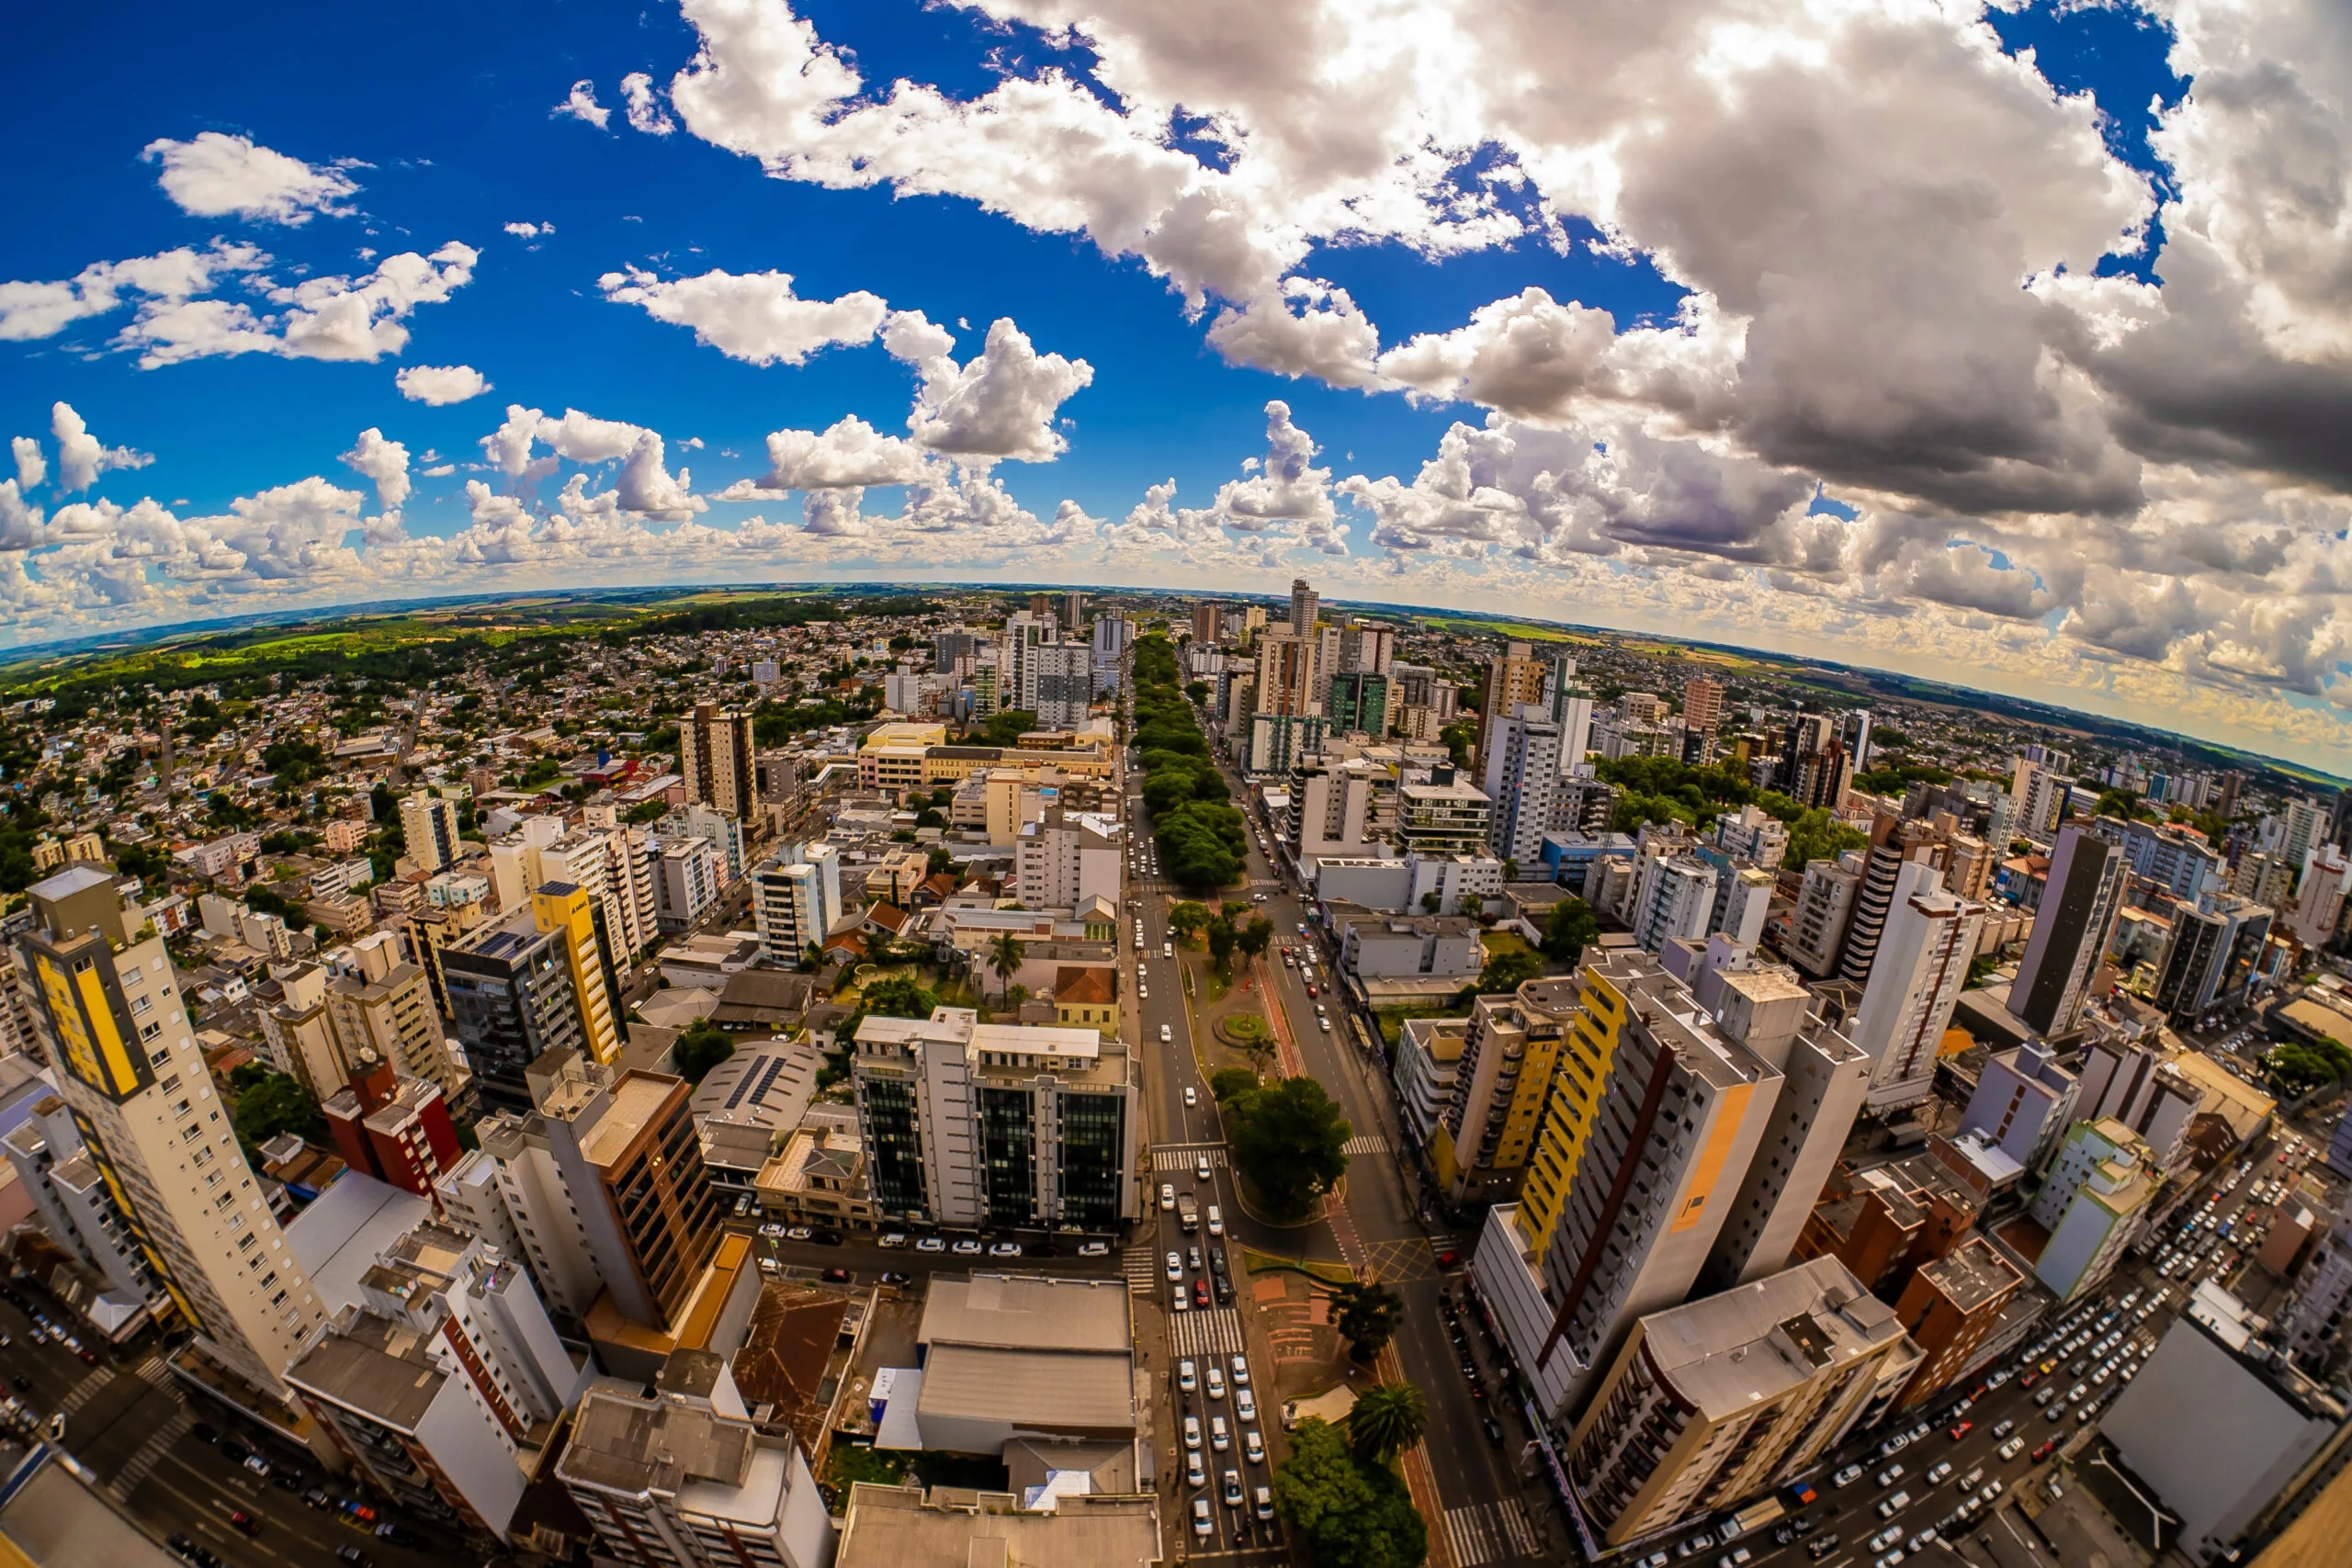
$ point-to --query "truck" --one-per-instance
(1188, 1213)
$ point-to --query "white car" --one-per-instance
(1167, 1035)
(1216, 1380)
(1195, 1472)
(1245, 1403)
(1191, 1097)
(1240, 1371)
(1253, 1446)
(1175, 1266)
(1201, 1168)
(1233, 1489)
(1216, 1219)
(1193, 1432)
(1203, 1525)
(1167, 1196)
(1219, 1438)
(1187, 1378)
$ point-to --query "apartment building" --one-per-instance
(1521, 756)
(536, 983)
(714, 758)
(1922, 964)
(429, 830)
(671, 1482)
(2088, 876)
(2023, 1103)
(2103, 1180)
(1063, 859)
(1505, 1073)
(1447, 816)
(796, 898)
(1948, 1307)
(1514, 678)
(56, 1172)
(378, 1001)
(2209, 959)
(969, 1124)
(1674, 899)
(396, 1129)
(117, 1032)
(1823, 908)
(1719, 1400)
(689, 880)
(512, 1189)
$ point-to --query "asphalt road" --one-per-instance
(128, 1422)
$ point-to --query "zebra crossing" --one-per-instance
(1491, 1532)
(82, 1392)
(1368, 1144)
(156, 1374)
(149, 1453)
(1170, 1161)
(1206, 1331)
(1141, 1266)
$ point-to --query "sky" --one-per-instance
(2006, 344)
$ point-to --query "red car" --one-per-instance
(2029, 1379)
(1200, 1292)
(244, 1521)
(1962, 1430)
(1310, 990)
(1448, 1260)
(2045, 1450)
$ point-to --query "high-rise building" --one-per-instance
(2102, 1180)
(2088, 875)
(1948, 1307)
(1907, 1004)
(429, 830)
(1719, 1400)
(1674, 898)
(1304, 605)
(118, 1037)
(1521, 761)
(379, 1003)
(1824, 907)
(1286, 673)
(1854, 739)
(974, 1124)
(670, 1480)
(76, 1207)
(1893, 843)
(1491, 1124)
(1703, 702)
(2319, 896)
(1514, 678)
(2041, 791)
(796, 898)
(538, 982)
(1616, 1253)
(1073, 609)
(2211, 956)
(1064, 684)
(396, 1129)
(511, 1193)
(440, 1381)
(1359, 700)
(1112, 635)
(714, 758)
(1207, 614)
(1367, 647)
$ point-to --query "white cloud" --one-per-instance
(321, 318)
(581, 105)
(31, 467)
(19, 522)
(753, 317)
(1000, 403)
(645, 111)
(81, 457)
(645, 486)
(529, 230)
(216, 175)
(31, 311)
(848, 455)
(440, 470)
(440, 384)
(385, 463)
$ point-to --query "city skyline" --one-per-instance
(597, 302)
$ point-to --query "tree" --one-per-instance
(1570, 930)
(1457, 739)
(698, 1049)
(1005, 955)
(1007, 727)
(1432, 901)
(941, 859)
(1292, 1143)
(901, 996)
(1506, 972)
(1357, 1514)
(274, 1105)
(1233, 1086)
(1198, 691)
(1188, 918)
(1255, 938)
(1221, 936)
(1388, 1419)
(1366, 1314)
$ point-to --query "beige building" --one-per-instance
(128, 1063)
(715, 756)
(1721, 1399)
(383, 1004)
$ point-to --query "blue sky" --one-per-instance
(1576, 320)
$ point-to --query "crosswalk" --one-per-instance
(1491, 1532)
(1368, 1144)
(1141, 1265)
(1168, 1161)
(82, 1392)
(1206, 1331)
(151, 1453)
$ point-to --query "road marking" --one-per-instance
(82, 1392)
(1369, 1143)
(1168, 1161)
(1206, 1331)
(1141, 1266)
(149, 1453)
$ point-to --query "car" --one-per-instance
(1196, 1474)
(1449, 1259)
(234, 1451)
(1310, 992)
(241, 1521)
(319, 1497)
(1262, 1502)
(1200, 1292)
(1847, 1476)
(1894, 1445)
(1737, 1558)
(1167, 1196)
(797, 1233)
(2032, 1376)
(2047, 1395)
(1245, 1404)
(1216, 1380)
(1240, 1365)
(930, 1244)
(1232, 1489)
(1889, 1475)
(1885, 1538)
(1219, 1438)
(20, 1382)
(1993, 1489)
(1937, 1476)
(1822, 1548)
(893, 1238)
(826, 1237)
(835, 1276)
(1167, 1035)
(1890, 1560)
(399, 1534)
(351, 1554)
(967, 1246)
(1203, 1525)
(1005, 1249)
(1216, 1220)
(893, 1277)
(1968, 1483)
(2078, 1393)
(1894, 1505)
(203, 1433)
(289, 1480)
(1253, 1446)
(1192, 1431)
(1178, 1300)
(88, 1357)
(1192, 1258)
(1200, 1168)
(1175, 1266)
(1925, 1538)
(2013, 1448)
(1493, 1428)
(258, 1465)
(1962, 1430)
(1094, 1249)
(1191, 1097)
(2043, 1450)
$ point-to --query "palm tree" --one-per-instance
(1385, 1420)
(1005, 955)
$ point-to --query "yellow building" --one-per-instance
(892, 755)
(1578, 1080)
(579, 916)
(1482, 1143)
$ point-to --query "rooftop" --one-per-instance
(374, 1366)
(1728, 1353)
(630, 1445)
(637, 1099)
(1028, 1311)
(1973, 1274)
(898, 1527)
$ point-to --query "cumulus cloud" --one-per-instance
(82, 456)
(320, 318)
(440, 384)
(848, 455)
(645, 486)
(645, 111)
(581, 105)
(753, 317)
(31, 467)
(384, 462)
(1002, 404)
(218, 176)
(31, 311)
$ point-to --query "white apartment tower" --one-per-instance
(796, 898)
(1923, 957)
(1523, 775)
(429, 830)
(1675, 897)
(127, 1063)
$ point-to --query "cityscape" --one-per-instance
(832, 1079)
(1099, 783)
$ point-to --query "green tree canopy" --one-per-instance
(1570, 930)
(1233, 1086)
(1291, 1142)
(900, 996)
(1256, 937)
(1355, 1514)
(1387, 1418)
(1221, 936)
(1366, 1314)
(1007, 727)
(1006, 955)
(1506, 972)
(698, 1049)
(1188, 918)
(275, 1104)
